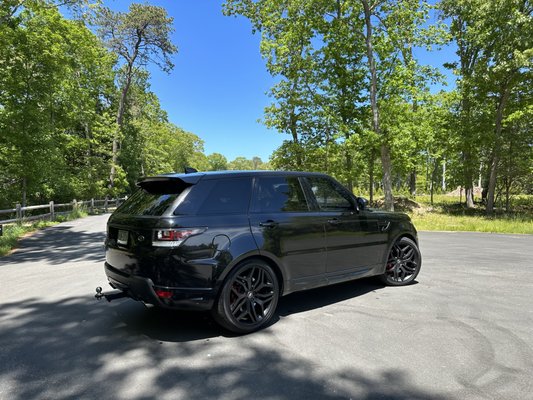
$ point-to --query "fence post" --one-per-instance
(19, 213)
(105, 204)
(74, 205)
(92, 206)
(52, 212)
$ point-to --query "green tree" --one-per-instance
(217, 162)
(241, 164)
(138, 37)
(495, 42)
(339, 63)
(152, 144)
(54, 77)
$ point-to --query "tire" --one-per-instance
(248, 298)
(403, 263)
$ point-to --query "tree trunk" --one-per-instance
(496, 154)
(469, 194)
(24, 191)
(385, 151)
(294, 133)
(508, 197)
(433, 179)
(412, 182)
(443, 175)
(387, 177)
(469, 197)
(119, 120)
(349, 166)
(468, 175)
(371, 177)
(121, 108)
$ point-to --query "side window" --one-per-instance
(328, 196)
(279, 194)
(227, 196)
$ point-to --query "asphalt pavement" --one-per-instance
(463, 331)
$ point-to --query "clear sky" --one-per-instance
(218, 87)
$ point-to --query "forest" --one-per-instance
(78, 118)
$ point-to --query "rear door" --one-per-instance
(284, 226)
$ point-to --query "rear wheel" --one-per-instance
(403, 263)
(249, 297)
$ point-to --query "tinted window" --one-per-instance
(228, 196)
(329, 196)
(275, 194)
(145, 203)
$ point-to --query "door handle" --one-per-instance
(383, 225)
(334, 221)
(268, 224)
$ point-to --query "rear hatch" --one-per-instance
(131, 228)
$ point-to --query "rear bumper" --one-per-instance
(143, 289)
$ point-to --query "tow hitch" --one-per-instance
(117, 294)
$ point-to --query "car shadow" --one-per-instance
(184, 326)
(325, 296)
(78, 348)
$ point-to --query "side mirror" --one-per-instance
(362, 203)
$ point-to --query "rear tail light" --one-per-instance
(174, 237)
(163, 294)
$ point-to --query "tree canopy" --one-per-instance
(78, 118)
(356, 102)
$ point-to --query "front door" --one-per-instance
(353, 239)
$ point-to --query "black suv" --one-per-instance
(233, 242)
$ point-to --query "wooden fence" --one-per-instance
(51, 210)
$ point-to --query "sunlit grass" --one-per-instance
(12, 233)
(447, 213)
(431, 221)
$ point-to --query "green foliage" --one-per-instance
(54, 77)
(495, 50)
(350, 92)
(217, 162)
(322, 101)
(140, 36)
(61, 92)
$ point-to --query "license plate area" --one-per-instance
(122, 238)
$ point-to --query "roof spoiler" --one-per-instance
(168, 183)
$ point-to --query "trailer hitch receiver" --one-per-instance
(117, 294)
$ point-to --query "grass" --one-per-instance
(446, 214)
(431, 221)
(12, 233)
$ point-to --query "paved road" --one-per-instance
(465, 331)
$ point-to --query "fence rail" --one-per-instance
(19, 212)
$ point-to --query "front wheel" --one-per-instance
(403, 263)
(248, 299)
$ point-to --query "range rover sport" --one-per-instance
(234, 242)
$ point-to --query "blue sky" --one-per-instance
(218, 87)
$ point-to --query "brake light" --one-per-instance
(174, 237)
(163, 294)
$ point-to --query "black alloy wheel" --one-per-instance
(249, 297)
(403, 263)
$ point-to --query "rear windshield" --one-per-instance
(153, 198)
(207, 197)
